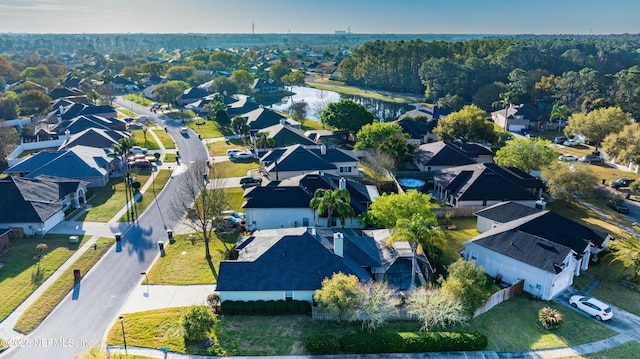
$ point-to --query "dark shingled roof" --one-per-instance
(32, 200)
(284, 136)
(262, 118)
(479, 182)
(443, 154)
(504, 212)
(416, 130)
(297, 192)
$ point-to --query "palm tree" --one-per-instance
(626, 250)
(327, 201)
(263, 140)
(561, 112)
(121, 149)
(419, 232)
(506, 99)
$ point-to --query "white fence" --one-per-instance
(500, 297)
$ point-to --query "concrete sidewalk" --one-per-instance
(150, 297)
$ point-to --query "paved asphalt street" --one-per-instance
(83, 317)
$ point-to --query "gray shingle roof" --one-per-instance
(506, 211)
(284, 136)
(79, 162)
(442, 154)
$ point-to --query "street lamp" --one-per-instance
(124, 338)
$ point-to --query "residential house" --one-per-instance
(191, 94)
(121, 84)
(418, 132)
(261, 86)
(427, 112)
(242, 106)
(542, 248)
(291, 263)
(66, 92)
(263, 117)
(94, 137)
(69, 110)
(286, 162)
(200, 106)
(518, 117)
(485, 184)
(325, 137)
(90, 165)
(436, 156)
(150, 91)
(285, 203)
(36, 205)
(284, 136)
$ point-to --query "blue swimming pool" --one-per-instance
(411, 183)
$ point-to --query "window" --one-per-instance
(305, 222)
(288, 295)
(345, 169)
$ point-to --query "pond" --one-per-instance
(317, 100)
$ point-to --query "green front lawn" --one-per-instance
(207, 128)
(108, 200)
(35, 314)
(237, 169)
(312, 125)
(627, 350)
(150, 143)
(139, 99)
(610, 290)
(513, 325)
(181, 114)
(185, 263)
(234, 196)
(159, 180)
(167, 141)
(219, 148)
(127, 113)
(22, 274)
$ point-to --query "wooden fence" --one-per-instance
(456, 212)
(500, 297)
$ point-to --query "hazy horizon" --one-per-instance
(487, 17)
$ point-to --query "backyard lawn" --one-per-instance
(185, 263)
(465, 230)
(167, 141)
(38, 311)
(22, 273)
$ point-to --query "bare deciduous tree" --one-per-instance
(435, 308)
(376, 304)
(202, 199)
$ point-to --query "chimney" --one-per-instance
(283, 121)
(323, 149)
(338, 244)
(313, 231)
(67, 134)
(342, 183)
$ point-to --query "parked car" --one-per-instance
(560, 139)
(525, 131)
(143, 163)
(594, 307)
(567, 158)
(241, 156)
(570, 143)
(230, 222)
(142, 118)
(233, 151)
(184, 131)
(137, 149)
(591, 159)
(154, 106)
(618, 207)
(621, 182)
(236, 214)
(250, 181)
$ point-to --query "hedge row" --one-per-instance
(268, 307)
(406, 342)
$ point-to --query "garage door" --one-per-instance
(516, 128)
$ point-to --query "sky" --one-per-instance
(325, 16)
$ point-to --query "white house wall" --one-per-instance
(272, 218)
(536, 281)
(32, 229)
(484, 224)
(245, 296)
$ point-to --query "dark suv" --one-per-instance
(618, 207)
(621, 182)
(250, 181)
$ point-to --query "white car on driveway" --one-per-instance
(570, 143)
(594, 307)
(567, 158)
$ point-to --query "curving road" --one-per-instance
(82, 318)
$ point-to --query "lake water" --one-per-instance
(317, 100)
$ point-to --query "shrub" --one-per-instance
(371, 343)
(550, 318)
(418, 342)
(322, 344)
(281, 307)
(259, 306)
(197, 322)
(228, 307)
(270, 307)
